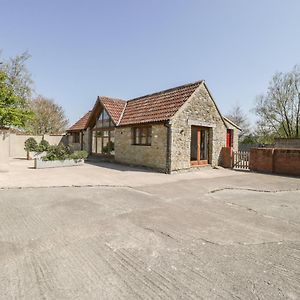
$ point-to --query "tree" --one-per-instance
(49, 117)
(13, 108)
(237, 116)
(18, 75)
(278, 110)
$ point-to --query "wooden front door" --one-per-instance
(229, 138)
(199, 146)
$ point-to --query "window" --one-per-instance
(103, 135)
(104, 121)
(76, 137)
(142, 135)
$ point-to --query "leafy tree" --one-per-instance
(237, 116)
(278, 110)
(18, 75)
(49, 117)
(13, 108)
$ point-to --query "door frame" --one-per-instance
(199, 161)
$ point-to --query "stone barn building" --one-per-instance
(171, 130)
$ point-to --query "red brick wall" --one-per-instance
(279, 161)
(287, 161)
(261, 160)
(226, 157)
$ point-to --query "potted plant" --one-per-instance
(31, 145)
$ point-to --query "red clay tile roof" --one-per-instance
(114, 107)
(159, 106)
(81, 124)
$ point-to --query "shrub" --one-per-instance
(31, 144)
(109, 147)
(62, 152)
(59, 152)
(78, 155)
(43, 146)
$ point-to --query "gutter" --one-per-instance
(169, 147)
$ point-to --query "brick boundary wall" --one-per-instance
(227, 157)
(278, 161)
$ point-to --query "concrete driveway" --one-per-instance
(22, 174)
(222, 235)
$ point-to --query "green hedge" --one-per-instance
(62, 152)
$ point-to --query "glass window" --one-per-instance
(103, 136)
(104, 121)
(99, 144)
(142, 135)
(76, 137)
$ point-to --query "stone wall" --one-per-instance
(84, 138)
(154, 156)
(199, 110)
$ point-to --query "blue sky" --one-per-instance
(128, 48)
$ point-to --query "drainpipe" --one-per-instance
(169, 147)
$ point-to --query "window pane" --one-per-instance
(149, 136)
(99, 121)
(105, 119)
(99, 144)
(143, 132)
(137, 136)
(112, 145)
(94, 142)
(106, 146)
(76, 137)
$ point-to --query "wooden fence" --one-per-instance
(241, 160)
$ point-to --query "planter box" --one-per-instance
(34, 155)
(43, 164)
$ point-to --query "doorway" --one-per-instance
(199, 145)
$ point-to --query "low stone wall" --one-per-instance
(278, 161)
